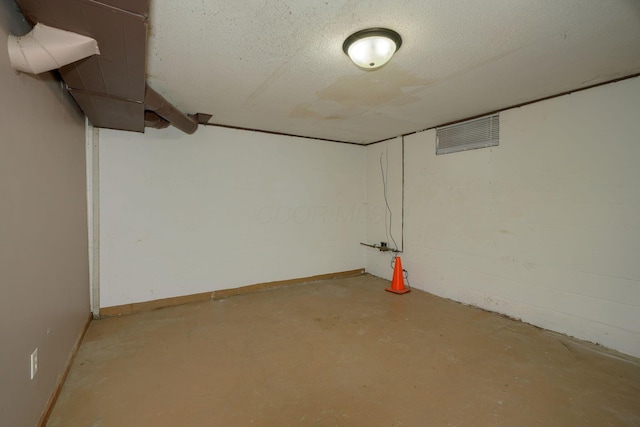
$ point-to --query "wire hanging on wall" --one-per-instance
(389, 213)
(389, 223)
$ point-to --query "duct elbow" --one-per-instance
(157, 104)
(47, 48)
(152, 120)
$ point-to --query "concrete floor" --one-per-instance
(341, 353)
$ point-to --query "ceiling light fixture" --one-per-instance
(372, 48)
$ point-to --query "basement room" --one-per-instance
(319, 213)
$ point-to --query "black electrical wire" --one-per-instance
(388, 228)
(402, 209)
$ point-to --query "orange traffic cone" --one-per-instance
(397, 284)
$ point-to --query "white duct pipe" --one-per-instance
(47, 48)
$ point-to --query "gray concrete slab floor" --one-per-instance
(341, 353)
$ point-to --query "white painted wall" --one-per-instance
(384, 221)
(183, 214)
(545, 227)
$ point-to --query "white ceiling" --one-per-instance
(278, 65)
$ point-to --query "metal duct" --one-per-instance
(109, 84)
(152, 120)
(47, 48)
(155, 103)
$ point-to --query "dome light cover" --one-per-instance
(372, 48)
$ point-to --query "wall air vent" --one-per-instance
(476, 133)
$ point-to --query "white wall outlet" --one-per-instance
(34, 363)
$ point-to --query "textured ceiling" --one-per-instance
(278, 66)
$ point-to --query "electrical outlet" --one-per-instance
(34, 363)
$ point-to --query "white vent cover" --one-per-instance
(476, 133)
